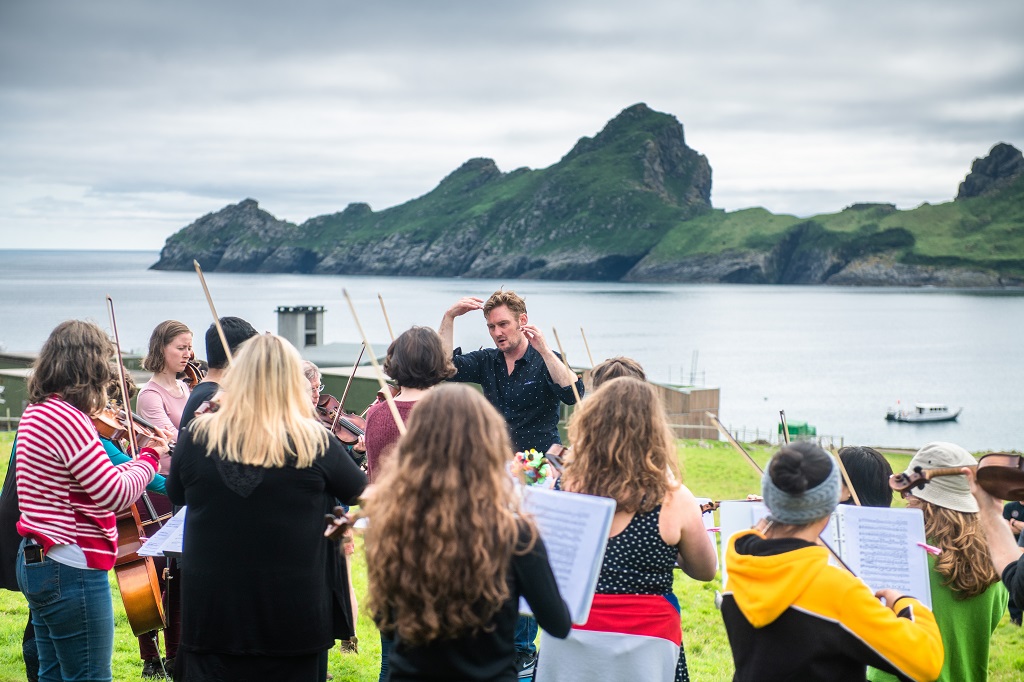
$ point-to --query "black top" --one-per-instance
(489, 655)
(253, 578)
(528, 397)
(1013, 578)
(638, 560)
(203, 391)
(10, 539)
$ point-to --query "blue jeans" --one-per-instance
(526, 633)
(73, 619)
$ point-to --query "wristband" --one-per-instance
(150, 455)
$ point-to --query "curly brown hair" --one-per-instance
(622, 446)
(158, 340)
(75, 364)
(114, 385)
(444, 521)
(510, 299)
(416, 359)
(965, 563)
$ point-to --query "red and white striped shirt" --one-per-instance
(68, 490)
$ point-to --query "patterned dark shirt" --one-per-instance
(528, 398)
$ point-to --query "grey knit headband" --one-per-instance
(798, 510)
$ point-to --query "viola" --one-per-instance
(345, 425)
(1000, 474)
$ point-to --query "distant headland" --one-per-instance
(631, 203)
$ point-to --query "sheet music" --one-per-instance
(575, 530)
(880, 546)
(166, 541)
(735, 516)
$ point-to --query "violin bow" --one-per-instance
(348, 385)
(380, 373)
(587, 346)
(759, 470)
(785, 426)
(732, 441)
(565, 359)
(387, 320)
(846, 476)
(123, 380)
(213, 311)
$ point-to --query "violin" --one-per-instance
(557, 455)
(395, 392)
(112, 424)
(709, 507)
(1000, 474)
(345, 425)
(194, 372)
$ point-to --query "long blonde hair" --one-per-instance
(622, 446)
(965, 563)
(265, 418)
(444, 521)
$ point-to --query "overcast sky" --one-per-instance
(121, 122)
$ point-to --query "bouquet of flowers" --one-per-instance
(532, 468)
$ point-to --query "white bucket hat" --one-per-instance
(951, 492)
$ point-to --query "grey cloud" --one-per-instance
(307, 106)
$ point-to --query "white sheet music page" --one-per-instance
(879, 544)
(167, 539)
(735, 516)
(575, 530)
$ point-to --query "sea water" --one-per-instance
(836, 358)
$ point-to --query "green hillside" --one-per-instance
(633, 203)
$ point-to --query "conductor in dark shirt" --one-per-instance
(526, 381)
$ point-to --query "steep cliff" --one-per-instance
(592, 215)
(631, 203)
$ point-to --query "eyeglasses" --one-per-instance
(320, 388)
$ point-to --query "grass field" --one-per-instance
(711, 470)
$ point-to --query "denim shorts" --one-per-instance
(73, 618)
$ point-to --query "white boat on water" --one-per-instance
(924, 412)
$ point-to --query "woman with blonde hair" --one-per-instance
(448, 554)
(624, 449)
(967, 597)
(258, 475)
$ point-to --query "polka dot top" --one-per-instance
(637, 560)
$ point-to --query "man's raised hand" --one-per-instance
(465, 305)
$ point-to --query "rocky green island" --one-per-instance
(631, 203)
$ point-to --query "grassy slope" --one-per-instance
(986, 232)
(713, 471)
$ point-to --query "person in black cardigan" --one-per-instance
(257, 476)
(448, 554)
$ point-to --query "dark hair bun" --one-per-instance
(787, 472)
(799, 466)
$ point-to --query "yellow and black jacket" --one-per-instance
(792, 616)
